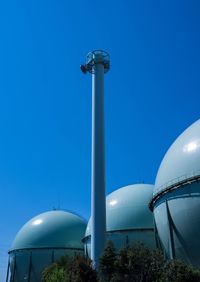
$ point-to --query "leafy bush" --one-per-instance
(70, 269)
(54, 274)
(136, 263)
(178, 271)
(139, 264)
(107, 263)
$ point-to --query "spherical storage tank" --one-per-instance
(176, 198)
(128, 217)
(41, 241)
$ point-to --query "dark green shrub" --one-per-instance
(107, 263)
(70, 269)
(136, 263)
(54, 274)
(178, 271)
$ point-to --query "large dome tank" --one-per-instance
(128, 218)
(176, 197)
(41, 241)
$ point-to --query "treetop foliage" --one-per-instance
(135, 263)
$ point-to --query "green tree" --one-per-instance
(138, 263)
(81, 270)
(54, 273)
(178, 271)
(107, 263)
(121, 266)
(70, 269)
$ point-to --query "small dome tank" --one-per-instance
(176, 198)
(41, 241)
(128, 218)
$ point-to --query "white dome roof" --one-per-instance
(182, 160)
(52, 229)
(127, 208)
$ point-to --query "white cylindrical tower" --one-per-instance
(97, 63)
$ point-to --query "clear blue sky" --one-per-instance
(151, 95)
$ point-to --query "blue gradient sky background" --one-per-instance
(151, 96)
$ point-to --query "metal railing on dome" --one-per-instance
(173, 184)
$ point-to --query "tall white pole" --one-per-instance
(97, 63)
(98, 216)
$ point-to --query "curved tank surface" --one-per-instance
(176, 198)
(128, 218)
(41, 241)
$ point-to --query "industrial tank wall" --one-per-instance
(29, 264)
(41, 241)
(128, 217)
(123, 239)
(176, 201)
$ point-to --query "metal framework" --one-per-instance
(172, 254)
(127, 237)
(97, 57)
(121, 231)
(178, 185)
(10, 277)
